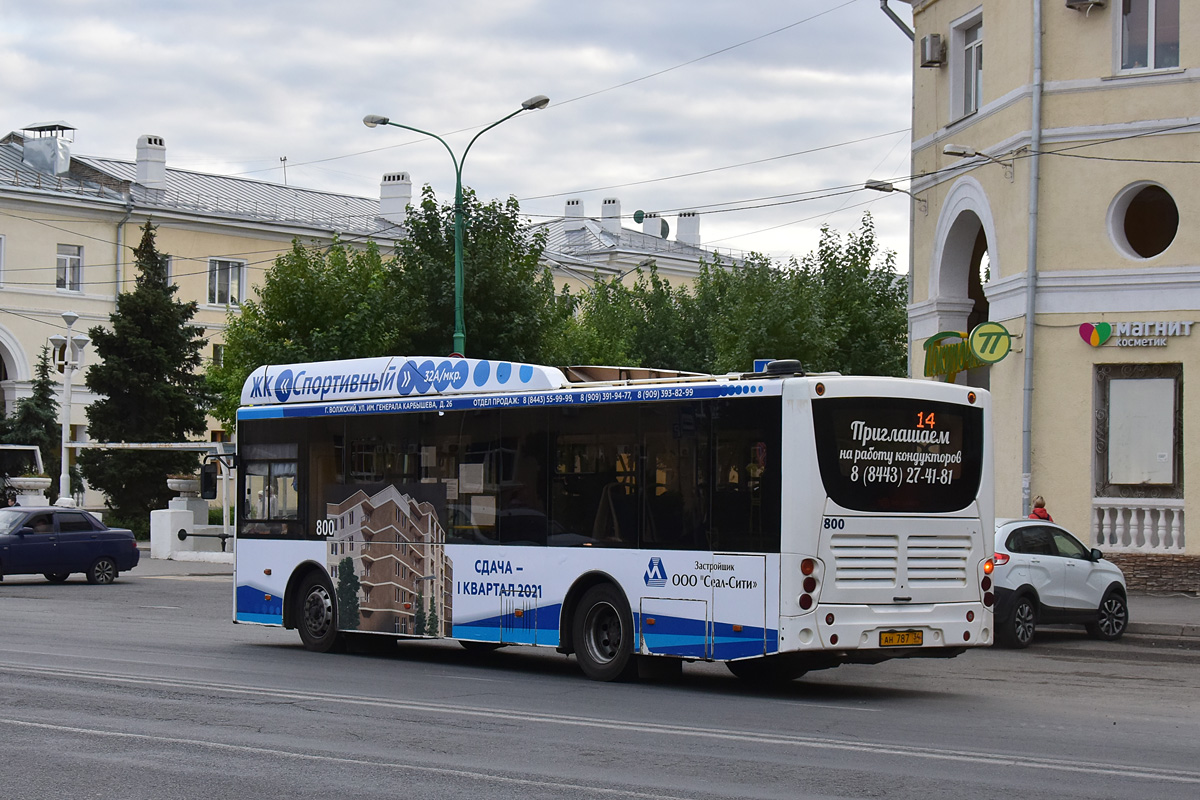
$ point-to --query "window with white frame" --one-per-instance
(70, 267)
(972, 68)
(1149, 34)
(966, 64)
(225, 281)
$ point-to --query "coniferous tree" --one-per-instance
(148, 389)
(432, 625)
(35, 421)
(347, 595)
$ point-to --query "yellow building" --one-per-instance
(1054, 181)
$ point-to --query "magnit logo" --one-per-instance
(655, 575)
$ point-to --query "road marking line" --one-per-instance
(241, 748)
(757, 737)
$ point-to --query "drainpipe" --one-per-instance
(908, 367)
(899, 22)
(1035, 144)
(120, 259)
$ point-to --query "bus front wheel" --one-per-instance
(603, 634)
(317, 615)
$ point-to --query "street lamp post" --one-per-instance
(72, 347)
(372, 120)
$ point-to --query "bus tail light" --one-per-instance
(808, 566)
(806, 601)
(989, 599)
(988, 566)
(999, 559)
(810, 584)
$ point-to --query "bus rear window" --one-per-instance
(899, 455)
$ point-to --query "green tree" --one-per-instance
(432, 626)
(347, 595)
(419, 614)
(148, 390)
(863, 303)
(509, 299)
(316, 303)
(35, 421)
(757, 309)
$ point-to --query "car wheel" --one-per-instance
(317, 617)
(603, 635)
(1018, 631)
(103, 570)
(769, 671)
(1113, 619)
(57, 577)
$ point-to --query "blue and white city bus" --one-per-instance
(776, 521)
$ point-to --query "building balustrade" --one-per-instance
(1138, 525)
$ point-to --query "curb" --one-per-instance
(1163, 630)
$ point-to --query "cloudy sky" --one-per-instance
(764, 115)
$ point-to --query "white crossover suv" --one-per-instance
(1045, 575)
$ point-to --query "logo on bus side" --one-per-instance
(656, 574)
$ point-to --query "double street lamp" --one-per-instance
(372, 120)
(71, 347)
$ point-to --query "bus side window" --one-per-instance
(746, 498)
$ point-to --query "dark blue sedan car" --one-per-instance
(55, 542)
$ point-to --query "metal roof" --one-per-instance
(202, 193)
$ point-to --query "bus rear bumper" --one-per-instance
(890, 631)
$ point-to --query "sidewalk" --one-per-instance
(1168, 616)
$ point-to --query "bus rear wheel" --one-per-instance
(603, 635)
(317, 617)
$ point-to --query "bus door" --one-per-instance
(672, 627)
(739, 604)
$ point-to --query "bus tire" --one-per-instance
(316, 614)
(603, 634)
(766, 671)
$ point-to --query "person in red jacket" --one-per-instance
(1039, 510)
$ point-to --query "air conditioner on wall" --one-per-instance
(933, 50)
(1085, 5)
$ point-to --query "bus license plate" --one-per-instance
(900, 638)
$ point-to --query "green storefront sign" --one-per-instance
(950, 352)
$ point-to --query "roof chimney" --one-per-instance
(688, 228)
(574, 208)
(610, 215)
(49, 147)
(395, 195)
(654, 225)
(151, 162)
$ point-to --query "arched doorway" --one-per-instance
(965, 260)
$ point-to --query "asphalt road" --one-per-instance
(144, 689)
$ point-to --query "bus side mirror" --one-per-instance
(208, 480)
